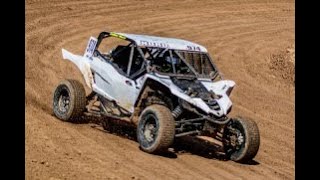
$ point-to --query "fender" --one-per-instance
(143, 81)
(220, 87)
(83, 65)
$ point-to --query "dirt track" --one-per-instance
(250, 41)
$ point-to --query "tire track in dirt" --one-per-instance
(239, 35)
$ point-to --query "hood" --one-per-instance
(196, 89)
(209, 96)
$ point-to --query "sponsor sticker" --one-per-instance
(153, 44)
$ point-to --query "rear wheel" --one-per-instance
(156, 129)
(241, 140)
(69, 100)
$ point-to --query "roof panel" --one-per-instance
(162, 42)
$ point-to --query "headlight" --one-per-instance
(214, 104)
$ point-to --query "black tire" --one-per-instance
(160, 137)
(248, 149)
(69, 100)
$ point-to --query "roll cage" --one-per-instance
(146, 57)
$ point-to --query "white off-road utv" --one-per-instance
(165, 87)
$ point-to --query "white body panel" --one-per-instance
(82, 63)
(220, 88)
(107, 81)
(114, 85)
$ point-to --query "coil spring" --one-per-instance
(177, 111)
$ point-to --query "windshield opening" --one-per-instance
(177, 62)
(201, 63)
(167, 61)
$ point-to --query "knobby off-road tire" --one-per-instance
(69, 100)
(250, 146)
(156, 129)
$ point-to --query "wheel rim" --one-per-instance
(64, 101)
(150, 128)
(234, 138)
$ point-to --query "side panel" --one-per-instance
(107, 81)
(120, 88)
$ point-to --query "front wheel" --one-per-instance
(241, 139)
(156, 129)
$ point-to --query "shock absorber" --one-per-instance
(177, 111)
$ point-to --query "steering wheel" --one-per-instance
(183, 70)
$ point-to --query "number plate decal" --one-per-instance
(90, 47)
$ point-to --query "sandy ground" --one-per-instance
(251, 41)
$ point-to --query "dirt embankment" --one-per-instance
(248, 41)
